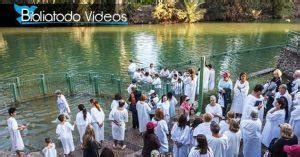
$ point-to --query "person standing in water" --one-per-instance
(83, 118)
(14, 129)
(64, 131)
(62, 104)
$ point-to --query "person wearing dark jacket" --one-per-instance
(151, 141)
(287, 138)
(134, 97)
(89, 145)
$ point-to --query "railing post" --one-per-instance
(43, 84)
(90, 76)
(168, 87)
(69, 83)
(15, 93)
(201, 76)
(96, 86)
(119, 86)
(18, 84)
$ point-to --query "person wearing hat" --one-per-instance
(274, 117)
(151, 141)
(62, 104)
(224, 89)
(287, 138)
(251, 134)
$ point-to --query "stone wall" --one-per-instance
(289, 61)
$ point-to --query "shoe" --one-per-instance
(123, 147)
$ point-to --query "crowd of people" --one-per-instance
(265, 121)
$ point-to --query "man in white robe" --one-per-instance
(62, 104)
(254, 101)
(217, 142)
(14, 129)
(282, 92)
(251, 134)
(203, 128)
(214, 108)
(295, 121)
(211, 80)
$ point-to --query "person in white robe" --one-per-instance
(224, 124)
(214, 108)
(180, 136)
(62, 104)
(254, 101)
(151, 70)
(274, 118)
(212, 76)
(131, 68)
(201, 149)
(157, 84)
(143, 110)
(241, 89)
(296, 82)
(64, 132)
(161, 131)
(203, 128)
(137, 75)
(251, 134)
(282, 92)
(131, 85)
(234, 136)
(147, 79)
(49, 150)
(119, 118)
(295, 121)
(178, 87)
(83, 118)
(216, 141)
(173, 102)
(98, 117)
(224, 85)
(115, 103)
(164, 72)
(206, 78)
(190, 85)
(164, 104)
(14, 129)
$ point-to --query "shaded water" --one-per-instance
(107, 49)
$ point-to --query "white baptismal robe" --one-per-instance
(98, 117)
(251, 134)
(234, 140)
(161, 131)
(82, 123)
(50, 151)
(64, 131)
(180, 135)
(121, 117)
(15, 135)
(240, 94)
(143, 110)
(218, 145)
(249, 107)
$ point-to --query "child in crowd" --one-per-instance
(49, 150)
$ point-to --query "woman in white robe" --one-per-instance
(164, 104)
(295, 121)
(173, 102)
(180, 136)
(274, 118)
(83, 118)
(214, 108)
(64, 132)
(212, 76)
(206, 79)
(190, 85)
(251, 134)
(98, 117)
(241, 89)
(49, 150)
(143, 110)
(161, 131)
(118, 118)
(14, 129)
(201, 149)
(115, 103)
(234, 139)
(178, 87)
(62, 104)
(224, 84)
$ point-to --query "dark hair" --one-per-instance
(209, 66)
(48, 140)
(196, 122)
(163, 97)
(147, 73)
(11, 110)
(133, 81)
(282, 102)
(169, 95)
(241, 74)
(61, 117)
(214, 127)
(118, 96)
(148, 133)
(234, 126)
(179, 73)
(121, 103)
(175, 75)
(106, 152)
(83, 109)
(202, 144)
(258, 88)
(92, 101)
(156, 75)
(182, 121)
(182, 99)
